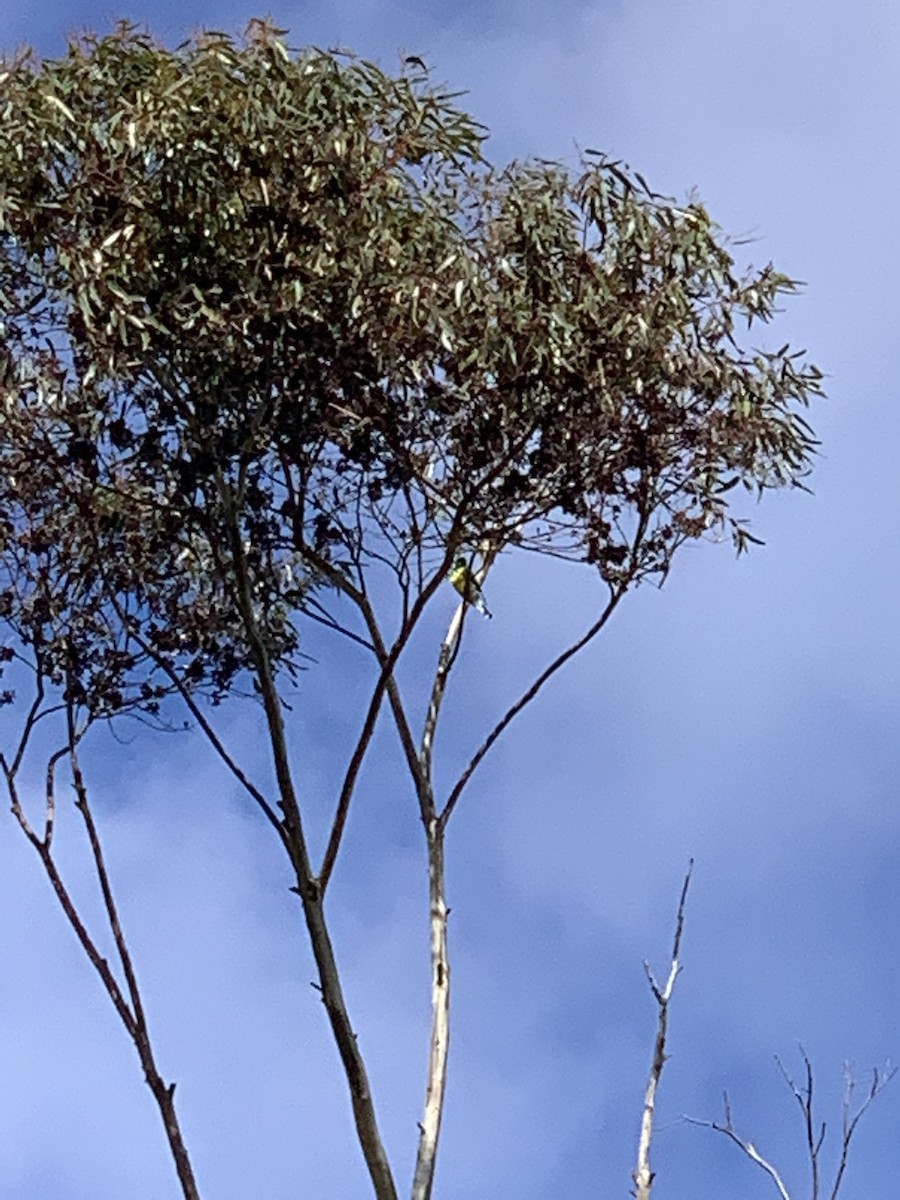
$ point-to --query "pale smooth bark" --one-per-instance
(643, 1175)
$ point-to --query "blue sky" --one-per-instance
(747, 715)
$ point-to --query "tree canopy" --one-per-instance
(283, 295)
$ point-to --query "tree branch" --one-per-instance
(747, 1147)
(307, 888)
(131, 1015)
(50, 794)
(446, 658)
(386, 683)
(212, 737)
(880, 1080)
(643, 1176)
(805, 1100)
(163, 1093)
(439, 1040)
(524, 700)
(814, 1139)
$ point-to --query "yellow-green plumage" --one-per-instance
(463, 579)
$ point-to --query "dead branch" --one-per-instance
(814, 1137)
(748, 1148)
(643, 1176)
(880, 1079)
(815, 1131)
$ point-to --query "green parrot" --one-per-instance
(463, 579)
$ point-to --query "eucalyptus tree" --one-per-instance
(280, 348)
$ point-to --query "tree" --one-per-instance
(280, 347)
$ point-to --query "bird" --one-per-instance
(463, 579)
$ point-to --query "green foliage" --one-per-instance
(271, 322)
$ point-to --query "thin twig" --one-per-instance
(322, 617)
(524, 700)
(90, 948)
(197, 713)
(34, 714)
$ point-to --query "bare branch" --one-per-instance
(748, 1148)
(524, 700)
(446, 658)
(131, 1015)
(317, 612)
(385, 684)
(643, 1176)
(50, 794)
(342, 810)
(805, 1100)
(439, 1043)
(30, 720)
(880, 1079)
(68, 906)
(212, 737)
(139, 1031)
(815, 1134)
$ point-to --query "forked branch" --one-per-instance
(307, 887)
(814, 1130)
(881, 1077)
(130, 1010)
(163, 1093)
